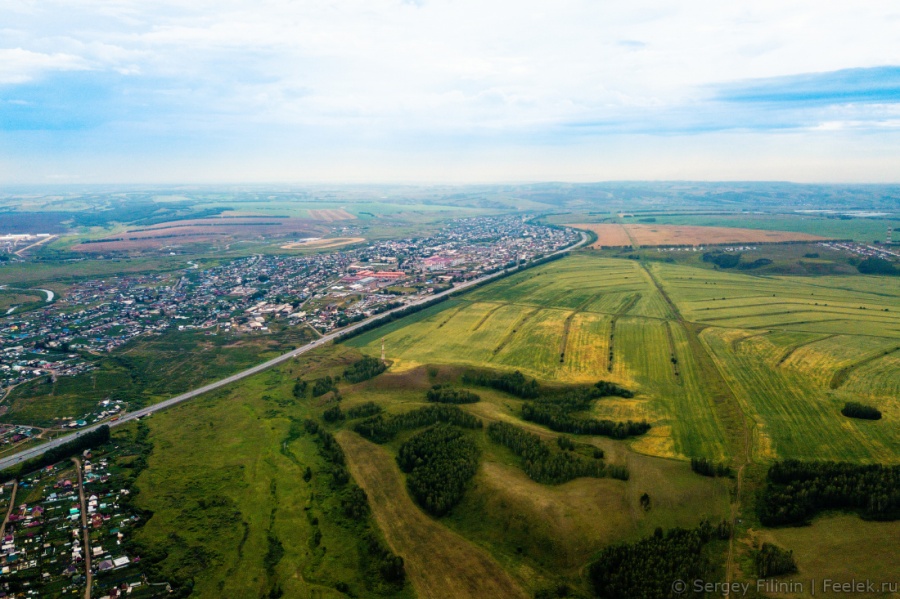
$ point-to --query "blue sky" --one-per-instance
(447, 91)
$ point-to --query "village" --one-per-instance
(323, 291)
(68, 526)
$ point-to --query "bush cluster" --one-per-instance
(854, 409)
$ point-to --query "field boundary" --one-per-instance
(793, 349)
(840, 377)
(439, 562)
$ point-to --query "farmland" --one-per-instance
(712, 356)
(769, 338)
(643, 235)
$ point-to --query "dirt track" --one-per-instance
(439, 562)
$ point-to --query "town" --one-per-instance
(246, 296)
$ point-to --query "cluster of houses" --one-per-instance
(324, 291)
(860, 249)
(43, 550)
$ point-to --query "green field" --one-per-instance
(710, 354)
(791, 349)
(144, 371)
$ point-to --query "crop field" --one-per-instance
(858, 229)
(220, 230)
(791, 350)
(615, 235)
(321, 244)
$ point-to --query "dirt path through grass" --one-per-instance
(729, 410)
(84, 530)
(439, 562)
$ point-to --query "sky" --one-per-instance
(127, 91)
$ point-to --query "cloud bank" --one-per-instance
(447, 90)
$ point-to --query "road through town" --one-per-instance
(40, 449)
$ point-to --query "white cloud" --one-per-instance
(394, 72)
(20, 66)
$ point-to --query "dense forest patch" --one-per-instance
(440, 462)
(796, 491)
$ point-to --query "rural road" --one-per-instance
(40, 449)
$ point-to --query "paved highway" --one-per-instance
(40, 449)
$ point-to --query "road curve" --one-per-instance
(40, 449)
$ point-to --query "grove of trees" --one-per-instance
(364, 369)
(545, 464)
(772, 560)
(446, 394)
(648, 568)
(796, 491)
(854, 409)
(440, 462)
(381, 429)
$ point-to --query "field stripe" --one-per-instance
(515, 330)
(794, 348)
(840, 377)
(487, 315)
(439, 562)
(628, 305)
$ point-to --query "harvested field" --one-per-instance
(221, 230)
(607, 235)
(330, 215)
(439, 562)
(322, 243)
(610, 235)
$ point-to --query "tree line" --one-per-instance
(854, 409)
(707, 467)
(556, 410)
(440, 462)
(544, 464)
(648, 568)
(514, 383)
(375, 555)
(381, 429)
(796, 491)
(557, 419)
(363, 410)
(364, 369)
(772, 560)
(76, 446)
(446, 394)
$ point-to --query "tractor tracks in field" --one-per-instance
(486, 316)
(791, 350)
(626, 307)
(525, 318)
(840, 377)
(564, 342)
(728, 409)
